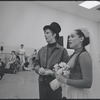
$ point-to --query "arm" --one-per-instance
(14, 59)
(10, 58)
(18, 52)
(24, 52)
(38, 68)
(86, 68)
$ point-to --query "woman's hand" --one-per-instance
(59, 71)
(61, 78)
(66, 73)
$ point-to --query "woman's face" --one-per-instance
(49, 36)
(74, 40)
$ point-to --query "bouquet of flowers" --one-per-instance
(60, 69)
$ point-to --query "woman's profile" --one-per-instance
(80, 62)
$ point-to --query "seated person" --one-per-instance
(11, 65)
(26, 65)
(17, 62)
(34, 57)
(1, 69)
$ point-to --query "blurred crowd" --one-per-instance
(17, 61)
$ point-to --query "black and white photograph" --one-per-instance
(50, 49)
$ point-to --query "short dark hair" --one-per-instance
(35, 50)
(57, 35)
(17, 57)
(86, 40)
(13, 51)
(54, 27)
(22, 44)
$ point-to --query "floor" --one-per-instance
(22, 85)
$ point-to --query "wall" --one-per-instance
(99, 40)
(23, 22)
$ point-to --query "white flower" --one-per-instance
(60, 71)
(66, 73)
(85, 32)
(67, 67)
(56, 67)
(62, 64)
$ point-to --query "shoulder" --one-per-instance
(85, 56)
(60, 47)
(42, 49)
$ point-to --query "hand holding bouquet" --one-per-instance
(61, 70)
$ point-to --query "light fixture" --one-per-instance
(89, 4)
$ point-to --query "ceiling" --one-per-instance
(73, 8)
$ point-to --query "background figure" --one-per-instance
(12, 59)
(80, 77)
(18, 63)
(1, 47)
(21, 53)
(11, 65)
(26, 65)
(1, 69)
(46, 58)
(34, 57)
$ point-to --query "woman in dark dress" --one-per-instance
(80, 77)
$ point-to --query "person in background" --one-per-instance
(46, 58)
(34, 57)
(1, 47)
(26, 65)
(21, 53)
(11, 66)
(80, 77)
(12, 59)
(17, 62)
(1, 69)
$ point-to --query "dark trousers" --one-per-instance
(45, 92)
(1, 73)
(8, 70)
